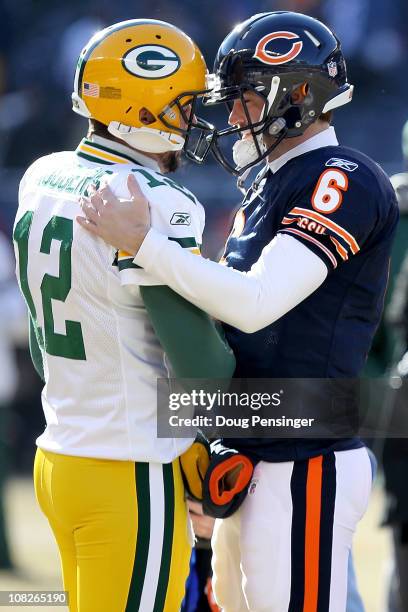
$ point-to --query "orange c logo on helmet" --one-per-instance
(266, 56)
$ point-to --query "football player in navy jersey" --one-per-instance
(300, 294)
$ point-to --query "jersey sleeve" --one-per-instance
(333, 215)
(174, 212)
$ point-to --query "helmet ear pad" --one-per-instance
(299, 94)
(298, 102)
(146, 117)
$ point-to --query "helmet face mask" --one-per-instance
(140, 64)
(268, 124)
(197, 132)
(253, 129)
(276, 55)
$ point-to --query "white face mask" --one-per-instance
(245, 152)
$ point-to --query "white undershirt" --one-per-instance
(285, 274)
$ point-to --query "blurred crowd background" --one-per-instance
(40, 41)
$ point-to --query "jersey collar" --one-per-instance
(327, 138)
(104, 151)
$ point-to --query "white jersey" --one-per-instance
(100, 354)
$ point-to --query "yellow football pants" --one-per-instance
(121, 529)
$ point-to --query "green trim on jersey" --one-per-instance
(109, 150)
(186, 243)
(94, 159)
(108, 156)
(100, 153)
(127, 264)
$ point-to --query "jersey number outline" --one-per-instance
(71, 344)
(153, 182)
(328, 194)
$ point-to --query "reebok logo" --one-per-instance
(180, 219)
(342, 163)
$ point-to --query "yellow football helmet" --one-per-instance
(137, 65)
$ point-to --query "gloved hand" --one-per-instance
(226, 481)
(194, 464)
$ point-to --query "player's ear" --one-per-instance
(146, 117)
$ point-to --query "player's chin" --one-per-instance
(171, 161)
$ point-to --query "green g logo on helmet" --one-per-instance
(151, 61)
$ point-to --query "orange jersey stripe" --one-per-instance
(312, 536)
(340, 249)
(351, 241)
(287, 221)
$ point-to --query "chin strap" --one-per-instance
(255, 185)
(149, 140)
(241, 181)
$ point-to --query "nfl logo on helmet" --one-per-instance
(332, 69)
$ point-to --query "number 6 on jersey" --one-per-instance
(328, 194)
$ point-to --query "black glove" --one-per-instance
(226, 481)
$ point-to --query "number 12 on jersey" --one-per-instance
(71, 344)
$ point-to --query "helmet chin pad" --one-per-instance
(149, 140)
(245, 151)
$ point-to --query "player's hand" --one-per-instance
(121, 223)
(203, 525)
(194, 464)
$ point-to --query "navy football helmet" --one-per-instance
(274, 54)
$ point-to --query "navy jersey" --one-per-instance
(341, 205)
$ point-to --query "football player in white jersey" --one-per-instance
(111, 489)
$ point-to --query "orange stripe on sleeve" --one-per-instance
(340, 249)
(287, 221)
(351, 241)
(312, 536)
